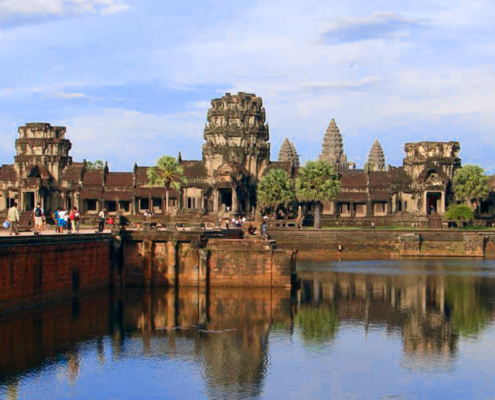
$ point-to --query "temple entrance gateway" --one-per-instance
(28, 201)
(226, 198)
(435, 202)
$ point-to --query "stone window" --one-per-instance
(157, 204)
(172, 202)
(360, 210)
(380, 208)
(191, 202)
(125, 206)
(91, 204)
(345, 209)
(111, 206)
(144, 204)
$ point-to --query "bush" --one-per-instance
(459, 213)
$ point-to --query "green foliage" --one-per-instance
(98, 164)
(459, 213)
(167, 172)
(275, 189)
(317, 324)
(469, 312)
(317, 182)
(470, 182)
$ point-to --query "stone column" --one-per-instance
(164, 207)
(216, 196)
(425, 203)
(441, 209)
(369, 208)
(172, 263)
(235, 201)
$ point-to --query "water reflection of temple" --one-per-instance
(429, 311)
(224, 331)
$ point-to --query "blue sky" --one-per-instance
(132, 80)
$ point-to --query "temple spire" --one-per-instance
(333, 145)
(376, 158)
(288, 153)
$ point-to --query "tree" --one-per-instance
(471, 183)
(275, 189)
(168, 173)
(316, 183)
(98, 164)
(459, 213)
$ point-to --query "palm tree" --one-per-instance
(169, 173)
(275, 189)
(316, 183)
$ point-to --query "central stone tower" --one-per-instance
(332, 149)
(236, 132)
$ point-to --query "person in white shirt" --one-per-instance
(101, 220)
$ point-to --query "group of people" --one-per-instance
(235, 222)
(65, 220)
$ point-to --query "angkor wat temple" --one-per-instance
(235, 155)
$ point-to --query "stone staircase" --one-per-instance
(434, 221)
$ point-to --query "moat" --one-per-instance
(356, 330)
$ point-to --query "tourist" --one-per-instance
(61, 221)
(13, 218)
(55, 218)
(38, 219)
(68, 222)
(263, 231)
(110, 222)
(75, 219)
(101, 220)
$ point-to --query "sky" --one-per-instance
(133, 79)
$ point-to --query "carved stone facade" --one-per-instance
(236, 154)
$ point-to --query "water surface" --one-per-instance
(409, 329)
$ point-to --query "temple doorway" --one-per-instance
(28, 201)
(226, 198)
(433, 203)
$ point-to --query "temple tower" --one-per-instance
(236, 132)
(288, 153)
(376, 158)
(333, 147)
(43, 146)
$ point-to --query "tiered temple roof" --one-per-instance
(333, 145)
(376, 158)
(288, 153)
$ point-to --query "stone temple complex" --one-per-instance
(235, 155)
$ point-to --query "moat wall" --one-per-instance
(188, 259)
(382, 244)
(34, 270)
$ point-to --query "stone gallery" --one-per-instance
(235, 155)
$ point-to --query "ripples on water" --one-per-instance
(404, 329)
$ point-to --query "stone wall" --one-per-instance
(382, 244)
(187, 259)
(37, 269)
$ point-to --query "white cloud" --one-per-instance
(126, 136)
(62, 95)
(378, 25)
(59, 7)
